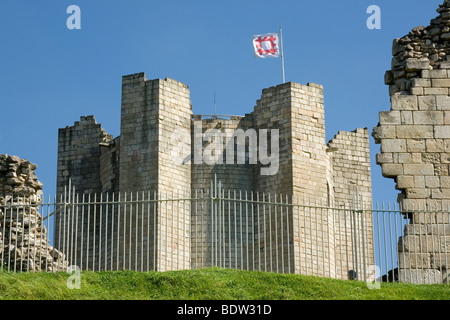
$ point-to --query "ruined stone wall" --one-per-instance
(350, 158)
(24, 243)
(79, 155)
(415, 134)
(79, 159)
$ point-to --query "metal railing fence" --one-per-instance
(146, 231)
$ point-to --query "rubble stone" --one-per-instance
(24, 244)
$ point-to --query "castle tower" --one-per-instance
(155, 127)
(296, 111)
(142, 164)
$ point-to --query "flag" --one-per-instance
(267, 45)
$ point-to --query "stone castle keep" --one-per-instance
(262, 191)
(157, 119)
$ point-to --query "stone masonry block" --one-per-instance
(419, 82)
(445, 157)
(404, 158)
(393, 145)
(441, 169)
(415, 229)
(443, 219)
(418, 193)
(440, 83)
(417, 65)
(445, 182)
(421, 217)
(415, 145)
(415, 131)
(432, 182)
(416, 157)
(404, 102)
(435, 91)
(406, 117)
(425, 243)
(385, 132)
(428, 117)
(419, 169)
(431, 157)
(440, 261)
(440, 193)
(382, 158)
(447, 145)
(419, 182)
(427, 102)
(390, 117)
(442, 102)
(447, 117)
(434, 145)
(391, 169)
(417, 91)
(404, 182)
(415, 260)
(418, 276)
(442, 132)
(434, 74)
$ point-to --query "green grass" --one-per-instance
(207, 284)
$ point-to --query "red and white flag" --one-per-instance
(267, 45)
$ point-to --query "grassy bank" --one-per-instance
(208, 284)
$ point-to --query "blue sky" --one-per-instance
(50, 75)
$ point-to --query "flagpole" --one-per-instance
(282, 53)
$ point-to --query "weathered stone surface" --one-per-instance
(384, 158)
(440, 261)
(427, 242)
(417, 65)
(389, 117)
(404, 102)
(418, 276)
(442, 132)
(415, 131)
(428, 117)
(392, 170)
(442, 102)
(427, 102)
(386, 132)
(418, 82)
(414, 260)
(393, 145)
